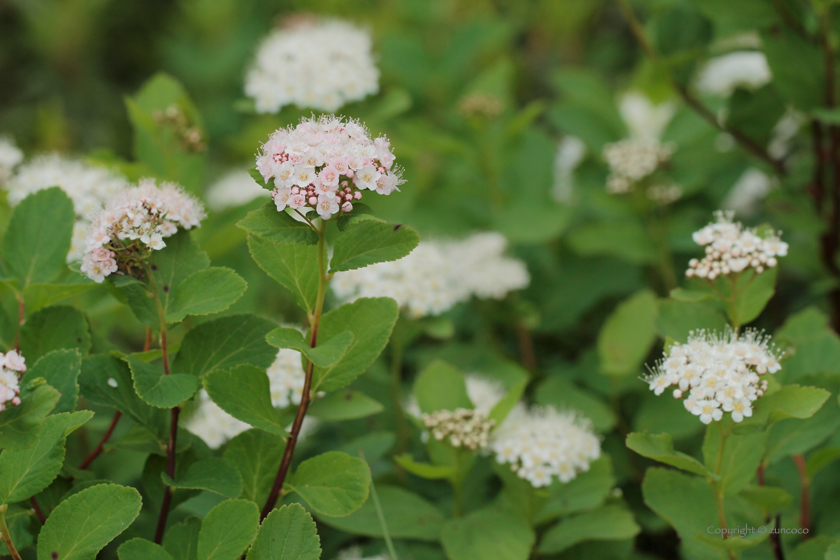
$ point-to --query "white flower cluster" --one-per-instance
(543, 442)
(325, 164)
(234, 188)
(12, 365)
(319, 65)
(571, 151)
(10, 157)
(285, 377)
(484, 393)
(462, 427)
(717, 373)
(438, 274)
(355, 553)
(135, 222)
(631, 160)
(731, 248)
(88, 186)
(722, 74)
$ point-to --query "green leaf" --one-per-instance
(678, 318)
(371, 241)
(661, 448)
(38, 237)
(20, 425)
(158, 389)
(295, 267)
(502, 408)
(441, 387)
(99, 373)
(769, 499)
(487, 533)
(38, 296)
(80, 526)
(587, 490)
(371, 321)
(344, 405)
(224, 343)
(325, 354)
(791, 401)
(425, 470)
(53, 328)
(25, 473)
(211, 474)
(606, 523)
(333, 483)
(288, 533)
(180, 259)
(59, 368)
(797, 68)
(269, 223)
(736, 543)
(820, 459)
(228, 530)
(141, 549)
(256, 455)
(562, 394)
(408, 515)
(691, 296)
(204, 292)
(750, 301)
(259, 179)
(741, 456)
(181, 540)
(244, 392)
(627, 240)
(628, 335)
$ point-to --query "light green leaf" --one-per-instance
(38, 296)
(295, 267)
(38, 237)
(25, 473)
(288, 533)
(559, 392)
(441, 387)
(587, 490)
(691, 296)
(256, 455)
(344, 405)
(623, 239)
(606, 523)
(628, 335)
(20, 425)
(53, 328)
(368, 241)
(158, 389)
(488, 533)
(269, 223)
(661, 448)
(228, 530)
(244, 392)
(408, 515)
(204, 292)
(225, 342)
(791, 401)
(141, 549)
(80, 526)
(181, 540)
(59, 368)
(371, 321)
(741, 456)
(751, 300)
(769, 499)
(212, 474)
(502, 408)
(325, 354)
(425, 470)
(333, 483)
(736, 543)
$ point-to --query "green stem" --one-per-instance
(314, 323)
(380, 514)
(4, 533)
(171, 445)
(397, 347)
(717, 491)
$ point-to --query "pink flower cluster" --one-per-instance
(12, 365)
(135, 222)
(325, 163)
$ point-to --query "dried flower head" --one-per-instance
(439, 274)
(325, 164)
(319, 65)
(134, 223)
(461, 427)
(717, 373)
(12, 366)
(731, 248)
(541, 443)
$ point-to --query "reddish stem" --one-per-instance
(104, 439)
(38, 513)
(804, 507)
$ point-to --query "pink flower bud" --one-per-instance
(357, 195)
(346, 207)
(313, 200)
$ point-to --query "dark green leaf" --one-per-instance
(228, 530)
(158, 389)
(279, 227)
(295, 267)
(371, 241)
(333, 483)
(344, 405)
(288, 533)
(53, 328)
(212, 474)
(244, 392)
(325, 354)
(59, 368)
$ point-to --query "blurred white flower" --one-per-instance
(731, 248)
(462, 427)
(286, 378)
(722, 74)
(355, 553)
(717, 373)
(570, 153)
(10, 157)
(748, 192)
(784, 132)
(484, 393)
(135, 222)
(12, 365)
(645, 120)
(313, 64)
(212, 424)
(438, 274)
(541, 443)
(234, 188)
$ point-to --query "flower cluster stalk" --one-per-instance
(5, 536)
(314, 323)
(717, 490)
